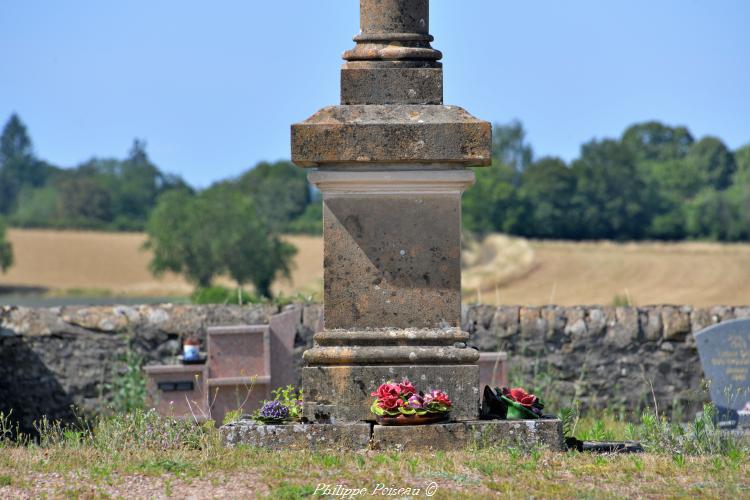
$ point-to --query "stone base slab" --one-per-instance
(314, 437)
(524, 434)
(345, 390)
(482, 434)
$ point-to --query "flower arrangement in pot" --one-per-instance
(285, 407)
(521, 404)
(511, 404)
(401, 404)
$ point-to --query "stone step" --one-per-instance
(524, 434)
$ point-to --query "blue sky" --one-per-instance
(213, 86)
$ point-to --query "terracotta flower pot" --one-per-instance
(430, 418)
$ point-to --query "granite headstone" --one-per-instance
(724, 351)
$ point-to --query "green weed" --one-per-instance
(128, 387)
(289, 491)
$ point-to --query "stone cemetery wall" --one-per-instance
(618, 358)
(53, 358)
(608, 357)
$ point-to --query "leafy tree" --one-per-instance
(609, 193)
(509, 145)
(38, 208)
(666, 189)
(311, 220)
(243, 242)
(654, 141)
(85, 202)
(216, 232)
(719, 215)
(18, 166)
(179, 235)
(742, 158)
(711, 162)
(280, 192)
(6, 251)
(492, 203)
(547, 188)
(15, 142)
(678, 187)
(659, 151)
(135, 185)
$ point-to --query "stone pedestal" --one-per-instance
(392, 288)
(342, 393)
(390, 162)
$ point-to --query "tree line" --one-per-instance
(654, 182)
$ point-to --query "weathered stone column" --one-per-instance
(391, 163)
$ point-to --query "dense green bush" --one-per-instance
(6, 251)
(222, 295)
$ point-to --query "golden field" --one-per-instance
(499, 270)
(116, 263)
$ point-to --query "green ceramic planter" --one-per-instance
(517, 411)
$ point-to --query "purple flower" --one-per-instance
(274, 410)
(416, 402)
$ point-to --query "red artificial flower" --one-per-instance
(441, 397)
(407, 388)
(522, 397)
(390, 402)
(386, 390)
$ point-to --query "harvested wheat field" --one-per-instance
(97, 262)
(499, 270)
(566, 273)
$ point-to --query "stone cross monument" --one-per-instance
(391, 162)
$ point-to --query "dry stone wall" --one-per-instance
(621, 358)
(51, 359)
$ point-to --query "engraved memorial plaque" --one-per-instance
(724, 351)
(178, 386)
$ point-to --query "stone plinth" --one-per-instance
(297, 436)
(392, 247)
(391, 165)
(392, 289)
(524, 434)
(480, 434)
(347, 388)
